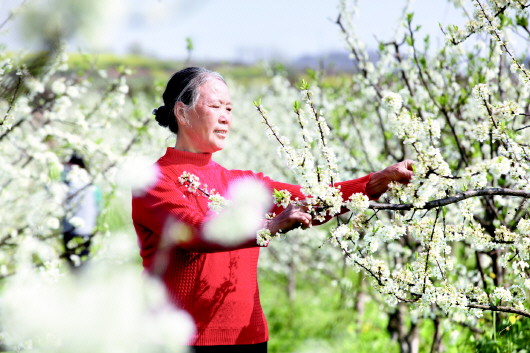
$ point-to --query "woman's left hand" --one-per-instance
(400, 172)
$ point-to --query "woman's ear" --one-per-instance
(181, 113)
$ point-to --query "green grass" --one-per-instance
(316, 318)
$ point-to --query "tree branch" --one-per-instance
(503, 309)
(452, 199)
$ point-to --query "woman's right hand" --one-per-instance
(290, 218)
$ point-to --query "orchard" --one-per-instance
(444, 259)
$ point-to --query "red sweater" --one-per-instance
(218, 287)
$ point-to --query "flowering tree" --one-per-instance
(454, 243)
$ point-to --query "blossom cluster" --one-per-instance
(216, 202)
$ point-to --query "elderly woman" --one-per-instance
(216, 284)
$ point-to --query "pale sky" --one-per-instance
(240, 29)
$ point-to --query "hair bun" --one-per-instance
(162, 115)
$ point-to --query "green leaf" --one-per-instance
(142, 129)
(189, 44)
(54, 173)
(257, 102)
(304, 85)
(505, 20)
(476, 150)
(521, 20)
(423, 62)
(296, 106)
(443, 99)
(410, 16)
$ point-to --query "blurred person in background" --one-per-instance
(82, 206)
(215, 282)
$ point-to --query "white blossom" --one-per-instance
(392, 101)
(524, 226)
(357, 202)
(502, 294)
(481, 92)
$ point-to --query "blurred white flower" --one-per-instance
(101, 309)
(123, 88)
(138, 174)
(52, 223)
(240, 220)
(34, 85)
(78, 175)
(29, 248)
(72, 91)
(58, 87)
(76, 222)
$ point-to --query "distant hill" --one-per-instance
(333, 61)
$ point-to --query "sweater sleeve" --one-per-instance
(179, 218)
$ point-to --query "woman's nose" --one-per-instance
(225, 118)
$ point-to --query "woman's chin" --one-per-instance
(218, 146)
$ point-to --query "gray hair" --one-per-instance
(192, 88)
(182, 87)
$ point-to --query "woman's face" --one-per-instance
(204, 128)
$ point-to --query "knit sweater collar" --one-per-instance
(182, 157)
